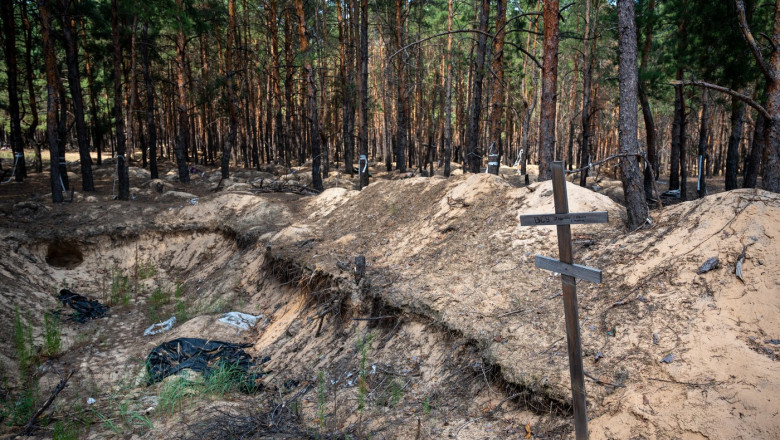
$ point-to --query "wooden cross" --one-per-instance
(569, 272)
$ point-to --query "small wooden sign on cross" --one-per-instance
(569, 271)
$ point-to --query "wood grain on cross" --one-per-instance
(569, 271)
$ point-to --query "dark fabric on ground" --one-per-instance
(85, 308)
(203, 356)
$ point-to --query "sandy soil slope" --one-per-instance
(467, 336)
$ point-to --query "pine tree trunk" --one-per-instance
(121, 162)
(587, 78)
(231, 99)
(62, 134)
(754, 158)
(97, 130)
(677, 170)
(74, 83)
(150, 105)
(636, 206)
(181, 96)
(732, 153)
(132, 109)
(12, 70)
(497, 110)
(473, 153)
(701, 187)
(346, 51)
(549, 89)
(647, 114)
(363, 171)
(448, 99)
(314, 123)
(52, 101)
(401, 124)
(31, 92)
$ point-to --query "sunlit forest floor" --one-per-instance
(451, 333)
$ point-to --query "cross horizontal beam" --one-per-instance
(572, 218)
(574, 270)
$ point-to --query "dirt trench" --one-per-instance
(347, 361)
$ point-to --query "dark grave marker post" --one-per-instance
(569, 271)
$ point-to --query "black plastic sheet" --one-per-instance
(85, 308)
(204, 356)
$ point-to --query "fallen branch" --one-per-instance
(693, 384)
(28, 428)
(601, 382)
(374, 318)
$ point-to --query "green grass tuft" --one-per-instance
(51, 335)
(120, 288)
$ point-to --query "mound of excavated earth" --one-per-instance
(669, 352)
(458, 317)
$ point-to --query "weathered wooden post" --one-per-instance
(569, 272)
